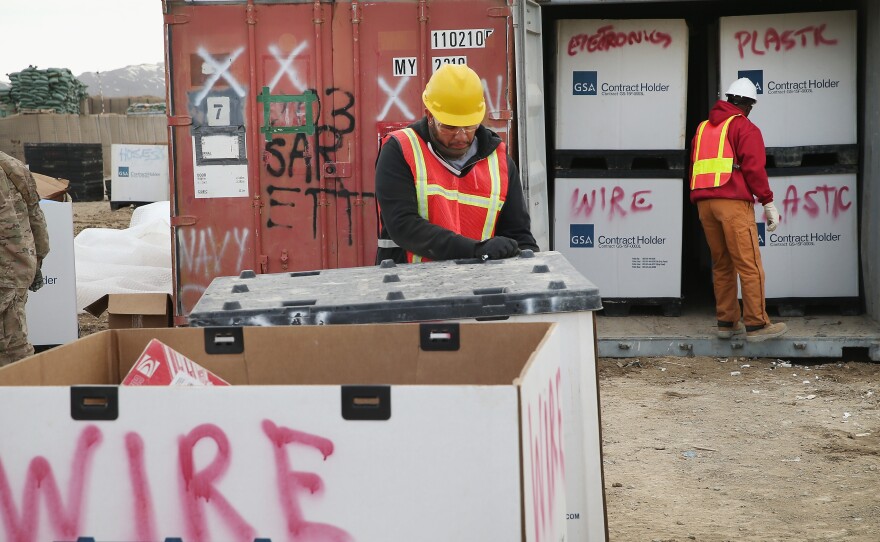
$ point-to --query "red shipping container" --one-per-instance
(275, 113)
(160, 365)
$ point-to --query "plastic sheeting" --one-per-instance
(136, 259)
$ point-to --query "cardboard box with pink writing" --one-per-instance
(356, 433)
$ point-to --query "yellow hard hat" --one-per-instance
(454, 95)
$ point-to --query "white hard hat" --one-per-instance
(743, 87)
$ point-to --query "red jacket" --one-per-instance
(749, 181)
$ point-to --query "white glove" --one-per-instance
(771, 215)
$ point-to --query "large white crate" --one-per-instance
(805, 67)
(542, 287)
(621, 84)
(625, 234)
(51, 310)
(814, 252)
(139, 173)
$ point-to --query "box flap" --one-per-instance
(97, 307)
(152, 303)
(50, 187)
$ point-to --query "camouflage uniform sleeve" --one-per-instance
(24, 182)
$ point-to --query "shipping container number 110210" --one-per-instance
(474, 38)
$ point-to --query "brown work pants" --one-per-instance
(732, 235)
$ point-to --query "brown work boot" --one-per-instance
(770, 331)
(728, 331)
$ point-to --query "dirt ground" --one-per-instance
(720, 449)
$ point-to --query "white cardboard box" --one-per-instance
(805, 67)
(51, 310)
(347, 433)
(139, 173)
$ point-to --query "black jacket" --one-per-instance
(399, 213)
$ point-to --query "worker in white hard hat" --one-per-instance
(727, 175)
(445, 185)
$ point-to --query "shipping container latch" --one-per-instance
(337, 169)
(439, 337)
(308, 124)
(176, 18)
(179, 120)
(366, 403)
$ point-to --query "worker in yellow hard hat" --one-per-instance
(445, 186)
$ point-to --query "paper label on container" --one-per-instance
(623, 235)
(220, 180)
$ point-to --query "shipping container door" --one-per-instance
(278, 110)
(248, 129)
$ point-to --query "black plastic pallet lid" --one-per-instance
(532, 283)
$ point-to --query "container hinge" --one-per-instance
(439, 337)
(179, 120)
(176, 18)
(499, 11)
(337, 169)
(183, 220)
(366, 403)
(504, 114)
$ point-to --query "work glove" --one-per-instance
(771, 215)
(496, 248)
(38, 281)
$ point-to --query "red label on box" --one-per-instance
(160, 365)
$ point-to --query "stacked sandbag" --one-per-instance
(157, 108)
(54, 89)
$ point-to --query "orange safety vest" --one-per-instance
(712, 156)
(467, 205)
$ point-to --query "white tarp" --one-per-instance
(136, 259)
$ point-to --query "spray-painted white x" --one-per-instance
(221, 69)
(393, 98)
(496, 104)
(285, 67)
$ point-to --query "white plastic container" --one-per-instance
(51, 310)
(621, 84)
(139, 173)
(625, 234)
(804, 65)
(814, 252)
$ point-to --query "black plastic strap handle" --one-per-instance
(224, 340)
(366, 403)
(437, 336)
(94, 403)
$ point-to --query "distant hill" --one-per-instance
(139, 80)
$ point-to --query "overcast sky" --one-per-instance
(82, 35)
